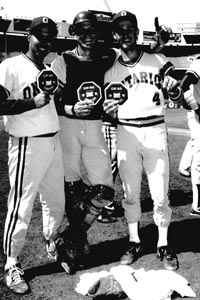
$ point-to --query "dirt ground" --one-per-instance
(108, 241)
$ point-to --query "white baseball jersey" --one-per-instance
(143, 82)
(60, 68)
(195, 70)
(18, 76)
(35, 161)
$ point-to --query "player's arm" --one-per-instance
(19, 106)
(161, 37)
(14, 107)
(189, 102)
(170, 85)
(59, 66)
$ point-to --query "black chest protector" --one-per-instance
(79, 71)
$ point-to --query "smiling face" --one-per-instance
(126, 34)
(86, 35)
(40, 43)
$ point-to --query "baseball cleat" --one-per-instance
(14, 278)
(132, 253)
(169, 258)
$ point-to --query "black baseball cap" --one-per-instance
(40, 21)
(124, 15)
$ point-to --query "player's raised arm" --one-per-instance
(161, 37)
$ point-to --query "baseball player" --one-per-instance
(162, 35)
(141, 133)
(81, 75)
(191, 87)
(34, 151)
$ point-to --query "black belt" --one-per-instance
(46, 135)
(142, 122)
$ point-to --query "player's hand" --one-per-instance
(41, 99)
(83, 108)
(162, 32)
(172, 89)
(111, 107)
(169, 84)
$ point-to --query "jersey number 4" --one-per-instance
(156, 98)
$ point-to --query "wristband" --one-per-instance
(177, 96)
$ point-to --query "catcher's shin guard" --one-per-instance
(85, 212)
(66, 253)
(101, 195)
(98, 197)
(90, 207)
(74, 192)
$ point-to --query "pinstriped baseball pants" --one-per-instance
(35, 165)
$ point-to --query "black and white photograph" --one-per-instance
(99, 150)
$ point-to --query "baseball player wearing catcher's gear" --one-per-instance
(141, 133)
(34, 151)
(81, 133)
(191, 87)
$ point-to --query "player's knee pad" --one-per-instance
(97, 198)
(101, 195)
(91, 206)
(75, 188)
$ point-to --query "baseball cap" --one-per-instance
(39, 21)
(124, 15)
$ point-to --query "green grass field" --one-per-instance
(108, 241)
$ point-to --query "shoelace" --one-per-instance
(16, 274)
